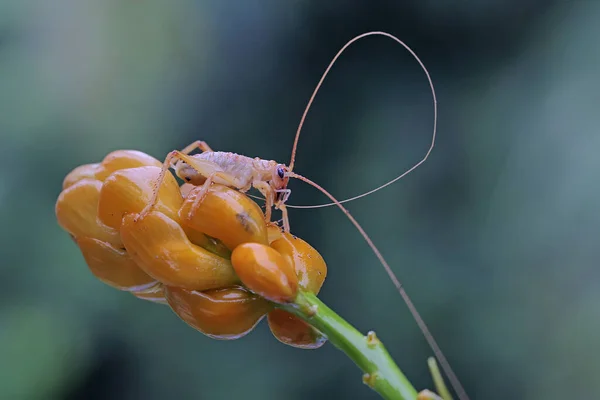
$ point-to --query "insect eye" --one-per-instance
(280, 172)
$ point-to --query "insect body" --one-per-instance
(229, 169)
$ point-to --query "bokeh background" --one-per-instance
(495, 237)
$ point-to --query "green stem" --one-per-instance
(438, 381)
(381, 373)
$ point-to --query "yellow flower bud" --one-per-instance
(266, 272)
(161, 248)
(274, 232)
(117, 160)
(130, 190)
(113, 266)
(122, 159)
(87, 171)
(308, 263)
(76, 212)
(225, 214)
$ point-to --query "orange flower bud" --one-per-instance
(264, 271)
(122, 159)
(225, 214)
(199, 238)
(293, 331)
(82, 172)
(113, 266)
(76, 210)
(308, 263)
(130, 190)
(161, 248)
(155, 293)
(228, 313)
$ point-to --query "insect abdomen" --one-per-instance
(232, 164)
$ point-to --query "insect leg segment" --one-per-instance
(222, 178)
(284, 216)
(161, 177)
(198, 144)
(202, 167)
(266, 190)
(202, 193)
(282, 196)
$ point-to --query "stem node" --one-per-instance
(372, 339)
(370, 379)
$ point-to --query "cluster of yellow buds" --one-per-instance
(217, 263)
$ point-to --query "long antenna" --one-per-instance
(419, 320)
(460, 391)
(312, 97)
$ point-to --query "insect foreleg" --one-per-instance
(284, 216)
(282, 197)
(270, 196)
(266, 190)
(285, 195)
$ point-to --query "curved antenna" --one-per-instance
(435, 117)
(460, 391)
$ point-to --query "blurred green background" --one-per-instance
(495, 237)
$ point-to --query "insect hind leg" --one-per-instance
(174, 155)
(198, 144)
(168, 163)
